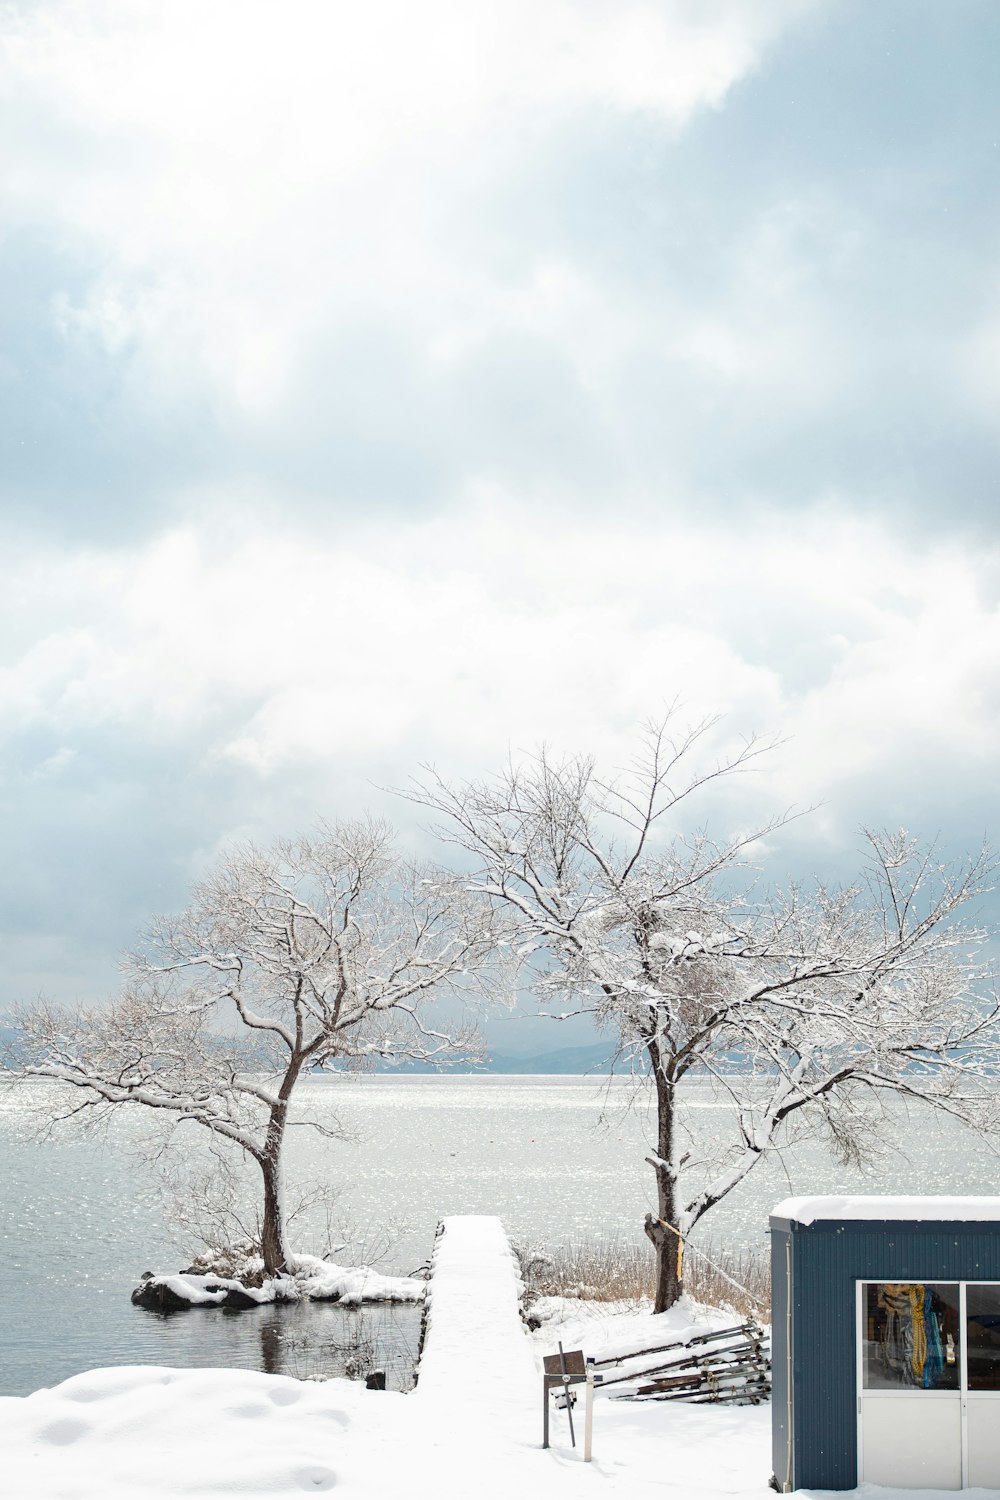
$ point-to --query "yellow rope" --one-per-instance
(753, 1300)
(680, 1247)
(908, 1297)
(918, 1359)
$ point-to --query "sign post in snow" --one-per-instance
(565, 1369)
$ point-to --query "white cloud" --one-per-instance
(452, 639)
(248, 176)
(772, 332)
(465, 247)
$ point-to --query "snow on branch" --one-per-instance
(316, 950)
(804, 1005)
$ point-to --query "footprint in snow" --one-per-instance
(315, 1479)
(285, 1395)
(63, 1432)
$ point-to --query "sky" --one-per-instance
(412, 383)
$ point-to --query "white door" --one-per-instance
(982, 1413)
(910, 1387)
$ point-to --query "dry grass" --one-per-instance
(596, 1270)
(710, 1275)
(609, 1271)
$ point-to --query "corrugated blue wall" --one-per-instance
(827, 1259)
(780, 1292)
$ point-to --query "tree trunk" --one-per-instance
(662, 1229)
(273, 1245)
(272, 1234)
(669, 1281)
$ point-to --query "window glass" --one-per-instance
(910, 1335)
(982, 1321)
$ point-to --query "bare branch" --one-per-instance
(799, 1005)
(317, 950)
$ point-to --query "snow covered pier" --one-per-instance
(474, 1338)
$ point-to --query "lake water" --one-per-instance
(559, 1159)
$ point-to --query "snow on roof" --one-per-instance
(807, 1210)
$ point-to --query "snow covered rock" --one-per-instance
(167, 1294)
(312, 1280)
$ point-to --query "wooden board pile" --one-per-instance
(728, 1364)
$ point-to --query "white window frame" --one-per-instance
(962, 1394)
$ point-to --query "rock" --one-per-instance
(156, 1297)
(235, 1297)
(375, 1381)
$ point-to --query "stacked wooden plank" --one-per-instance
(727, 1364)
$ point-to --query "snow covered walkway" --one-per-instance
(474, 1330)
(478, 1391)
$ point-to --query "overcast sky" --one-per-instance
(413, 380)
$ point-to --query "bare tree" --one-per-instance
(210, 1200)
(312, 952)
(807, 1008)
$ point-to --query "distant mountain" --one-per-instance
(595, 1057)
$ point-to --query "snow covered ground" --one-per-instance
(133, 1433)
(472, 1426)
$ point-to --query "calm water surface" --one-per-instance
(559, 1159)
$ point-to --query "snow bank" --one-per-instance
(808, 1210)
(323, 1282)
(129, 1432)
(155, 1434)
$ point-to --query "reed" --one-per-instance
(709, 1277)
(610, 1270)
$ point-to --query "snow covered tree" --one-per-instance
(288, 959)
(809, 1008)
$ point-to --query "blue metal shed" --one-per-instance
(886, 1342)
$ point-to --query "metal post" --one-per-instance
(588, 1423)
(566, 1370)
(569, 1394)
